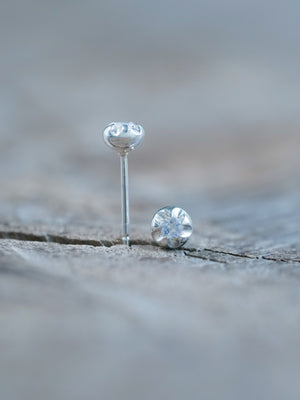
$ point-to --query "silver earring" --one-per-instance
(171, 227)
(124, 137)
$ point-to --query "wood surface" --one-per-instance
(82, 316)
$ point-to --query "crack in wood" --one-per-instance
(283, 260)
(189, 252)
(50, 238)
(203, 257)
(229, 253)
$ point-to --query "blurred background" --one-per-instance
(215, 85)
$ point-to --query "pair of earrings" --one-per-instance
(171, 226)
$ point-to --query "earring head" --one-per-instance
(123, 136)
(171, 227)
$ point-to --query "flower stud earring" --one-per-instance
(171, 227)
(124, 137)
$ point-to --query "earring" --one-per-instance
(171, 227)
(124, 137)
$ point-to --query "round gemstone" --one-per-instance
(171, 227)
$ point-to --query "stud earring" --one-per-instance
(171, 227)
(124, 137)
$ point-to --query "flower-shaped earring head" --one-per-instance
(171, 227)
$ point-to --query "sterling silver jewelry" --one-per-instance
(124, 137)
(171, 227)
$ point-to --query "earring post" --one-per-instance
(125, 199)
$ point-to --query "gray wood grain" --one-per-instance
(85, 317)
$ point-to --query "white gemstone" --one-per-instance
(171, 227)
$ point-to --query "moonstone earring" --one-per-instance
(171, 227)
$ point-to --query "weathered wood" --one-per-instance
(83, 316)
